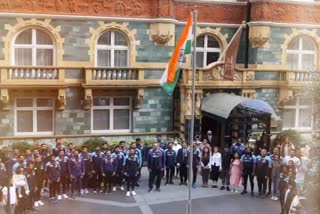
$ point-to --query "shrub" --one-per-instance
(294, 136)
(93, 143)
(21, 146)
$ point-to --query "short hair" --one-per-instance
(58, 139)
(138, 139)
(70, 144)
(43, 144)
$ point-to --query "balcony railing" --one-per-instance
(26, 73)
(114, 73)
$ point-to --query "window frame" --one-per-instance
(111, 109)
(112, 47)
(297, 107)
(34, 110)
(205, 50)
(301, 52)
(33, 46)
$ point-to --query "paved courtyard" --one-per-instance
(171, 200)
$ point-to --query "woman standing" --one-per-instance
(205, 166)
(215, 162)
(276, 170)
(235, 173)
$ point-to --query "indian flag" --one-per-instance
(170, 76)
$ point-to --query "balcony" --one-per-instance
(35, 77)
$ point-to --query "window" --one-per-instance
(208, 50)
(34, 116)
(112, 50)
(111, 114)
(301, 54)
(33, 47)
(297, 113)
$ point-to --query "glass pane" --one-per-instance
(23, 56)
(294, 44)
(304, 101)
(289, 118)
(44, 57)
(24, 121)
(121, 101)
(24, 102)
(24, 37)
(121, 118)
(44, 121)
(101, 119)
(307, 43)
(44, 102)
(308, 62)
(212, 57)
(212, 42)
(304, 118)
(104, 58)
(120, 58)
(119, 39)
(200, 41)
(105, 39)
(101, 101)
(292, 61)
(43, 38)
(199, 58)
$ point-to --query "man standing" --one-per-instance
(86, 158)
(263, 165)
(210, 139)
(295, 159)
(237, 147)
(58, 147)
(156, 162)
(64, 174)
(176, 146)
(97, 157)
(248, 170)
(170, 157)
(108, 169)
(119, 157)
(225, 171)
(182, 163)
(76, 169)
(53, 174)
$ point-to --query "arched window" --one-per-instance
(208, 50)
(33, 47)
(112, 50)
(301, 54)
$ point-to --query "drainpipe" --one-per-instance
(246, 63)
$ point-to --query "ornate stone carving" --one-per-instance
(249, 93)
(87, 102)
(249, 75)
(214, 74)
(5, 103)
(259, 36)
(285, 95)
(139, 98)
(61, 100)
(188, 104)
(161, 39)
(198, 104)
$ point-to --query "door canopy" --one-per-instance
(221, 104)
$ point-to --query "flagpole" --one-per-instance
(194, 16)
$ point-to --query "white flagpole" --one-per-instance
(194, 17)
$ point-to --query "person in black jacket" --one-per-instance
(86, 157)
(289, 196)
(39, 177)
(53, 174)
(225, 171)
(156, 164)
(170, 157)
(131, 171)
(64, 175)
(30, 175)
(182, 163)
(97, 157)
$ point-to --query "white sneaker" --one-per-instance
(272, 198)
(114, 189)
(81, 192)
(122, 189)
(36, 204)
(86, 191)
(65, 196)
(276, 198)
(20, 196)
(133, 193)
(128, 193)
(59, 197)
(95, 192)
(40, 203)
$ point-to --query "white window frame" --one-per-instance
(111, 47)
(205, 50)
(301, 52)
(111, 107)
(297, 107)
(34, 46)
(34, 110)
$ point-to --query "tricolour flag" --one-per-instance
(170, 76)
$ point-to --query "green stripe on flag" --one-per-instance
(187, 49)
(169, 87)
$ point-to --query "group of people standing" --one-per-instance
(69, 171)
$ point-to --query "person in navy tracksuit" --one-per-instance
(86, 157)
(64, 173)
(119, 157)
(53, 175)
(182, 163)
(76, 170)
(170, 157)
(156, 164)
(263, 165)
(139, 155)
(248, 162)
(108, 169)
(96, 159)
(131, 171)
